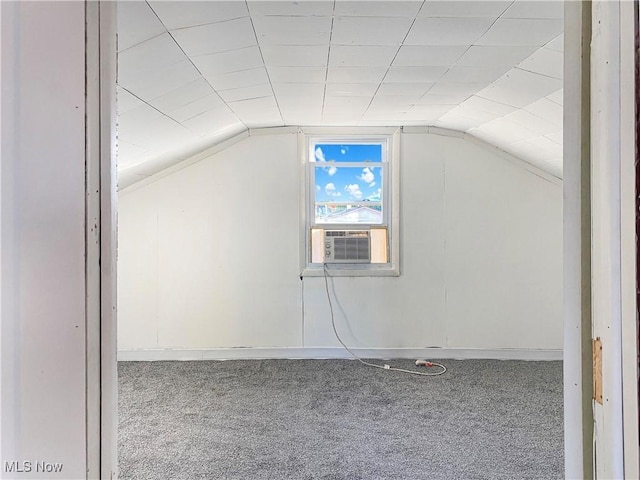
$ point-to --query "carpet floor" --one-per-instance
(339, 419)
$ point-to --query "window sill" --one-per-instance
(346, 270)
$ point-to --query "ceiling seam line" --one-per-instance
(326, 72)
(143, 41)
(275, 98)
(473, 44)
(197, 69)
(415, 18)
(535, 73)
(207, 23)
(157, 109)
(510, 106)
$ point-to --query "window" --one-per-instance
(349, 190)
(348, 179)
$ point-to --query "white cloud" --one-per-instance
(372, 184)
(318, 188)
(319, 155)
(367, 175)
(332, 171)
(330, 189)
(354, 191)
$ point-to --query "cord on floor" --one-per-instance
(383, 367)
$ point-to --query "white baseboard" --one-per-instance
(249, 353)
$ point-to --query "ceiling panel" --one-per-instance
(427, 112)
(130, 154)
(388, 101)
(545, 62)
(355, 74)
(471, 8)
(532, 122)
(134, 122)
(216, 37)
(152, 83)
(520, 88)
(184, 13)
(476, 102)
(213, 121)
(243, 78)
(456, 88)
(245, 93)
(295, 55)
(341, 104)
(257, 117)
(556, 137)
(447, 31)
(501, 132)
(474, 74)
(389, 88)
(556, 44)
(163, 133)
(429, 55)
(414, 74)
(557, 97)
(299, 90)
(528, 150)
(298, 110)
(157, 52)
(289, 30)
(361, 8)
(456, 121)
(250, 110)
(196, 72)
(369, 30)
(228, 62)
(290, 8)
(535, 9)
(522, 32)
(197, 107)
(340, 119)
(545, 143)
(182, 95)
(297, 74)
(471, 114)
(443, 98)
(126, 101)
(362, 55)
(137, 23)
(352, 89)
(485, 56)
(547, 110)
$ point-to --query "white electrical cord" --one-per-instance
(383, 367)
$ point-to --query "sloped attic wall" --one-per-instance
(209, 259)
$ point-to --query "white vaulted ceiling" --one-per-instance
(191, 74)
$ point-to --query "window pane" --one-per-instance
(348, 184)
(348, 152)
(348, 213)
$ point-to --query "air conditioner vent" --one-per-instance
(347, 246)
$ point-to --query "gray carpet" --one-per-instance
(338, 419)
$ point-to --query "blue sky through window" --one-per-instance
(334, 183)
(331, 152)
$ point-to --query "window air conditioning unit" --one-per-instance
(347, 246)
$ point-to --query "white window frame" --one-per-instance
(390, 199)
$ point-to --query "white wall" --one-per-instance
(42, 198)
(481, 262)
